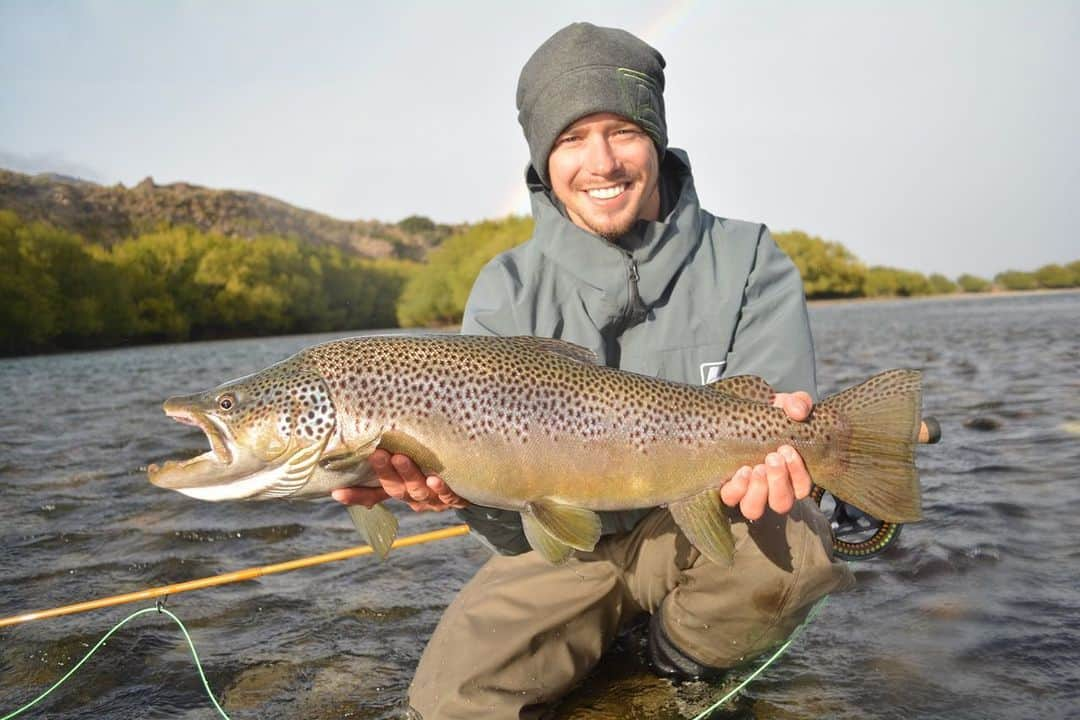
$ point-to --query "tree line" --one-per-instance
(829, 270)
(58, 291)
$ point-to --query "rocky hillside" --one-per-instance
(107, 215)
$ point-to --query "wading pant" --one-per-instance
(523, 632)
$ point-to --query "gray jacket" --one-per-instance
(690, 298)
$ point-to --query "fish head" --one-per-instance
(267, 432)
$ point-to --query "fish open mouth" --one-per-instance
(170, 474)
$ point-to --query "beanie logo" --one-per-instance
(638, 91)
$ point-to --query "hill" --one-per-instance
(106, 215)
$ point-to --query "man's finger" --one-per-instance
(415, 482)
(753, 502)
(386, 474)
(801, 482)
(368, 497)
(781, 495)
(733, 490)
(796, 405)
(444, 493)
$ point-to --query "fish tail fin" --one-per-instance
(876, 471)
(378, 525)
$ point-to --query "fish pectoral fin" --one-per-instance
(747, 387)
(350, 459)
(705, 525)
(541, 541)
(577, 527)
(378, 525)
(298, 468)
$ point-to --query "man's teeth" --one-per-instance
(606, 193)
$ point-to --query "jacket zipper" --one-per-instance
(635, 310)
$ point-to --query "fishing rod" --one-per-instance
(231, 577)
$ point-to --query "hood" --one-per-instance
(659, 249)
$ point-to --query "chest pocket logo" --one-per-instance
(710, 371)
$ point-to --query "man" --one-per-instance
(624, 261)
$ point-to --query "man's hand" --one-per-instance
(401, 479)
(781, 479)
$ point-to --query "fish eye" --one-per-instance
(226, 402)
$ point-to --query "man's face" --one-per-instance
(605, 170)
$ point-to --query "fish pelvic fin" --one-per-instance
(876, 471)
(550, 549)
(378, 525)
(705, 525)
(553, 529)
(746, 387)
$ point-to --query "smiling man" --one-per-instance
(605, 170)
(625, 262)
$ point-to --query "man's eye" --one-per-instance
(566, 139)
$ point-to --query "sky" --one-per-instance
(933, 136)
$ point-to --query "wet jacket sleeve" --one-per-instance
(489, 311)
(772, 337)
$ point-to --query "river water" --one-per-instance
(974, 613)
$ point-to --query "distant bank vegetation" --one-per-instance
(58, 291)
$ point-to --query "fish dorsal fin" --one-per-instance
(706, 527)
(560, 347)
(747, 387)
(378, 525)
(565, 525)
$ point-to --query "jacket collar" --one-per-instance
(659, 249)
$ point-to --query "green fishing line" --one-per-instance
(125, 621)
(761, 668)
(206, 684)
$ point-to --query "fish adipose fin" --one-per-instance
(378, 525)
(705, 525)
(747, 387)
(877, 472)
(553, 529)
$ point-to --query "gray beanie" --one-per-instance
(585, 69)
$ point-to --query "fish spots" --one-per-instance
(512, 390)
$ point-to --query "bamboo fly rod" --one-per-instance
(231, 577)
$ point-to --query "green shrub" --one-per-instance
(828, 269)
(1016, 280)
(436, 293)
(1055, 276)
(973, 283)
(941, 285)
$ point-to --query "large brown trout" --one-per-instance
(537, 426)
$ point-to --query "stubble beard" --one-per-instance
(612, 227)
(612, 230)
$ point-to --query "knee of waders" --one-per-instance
(667, 660)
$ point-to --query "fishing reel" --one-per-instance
(857, 535)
